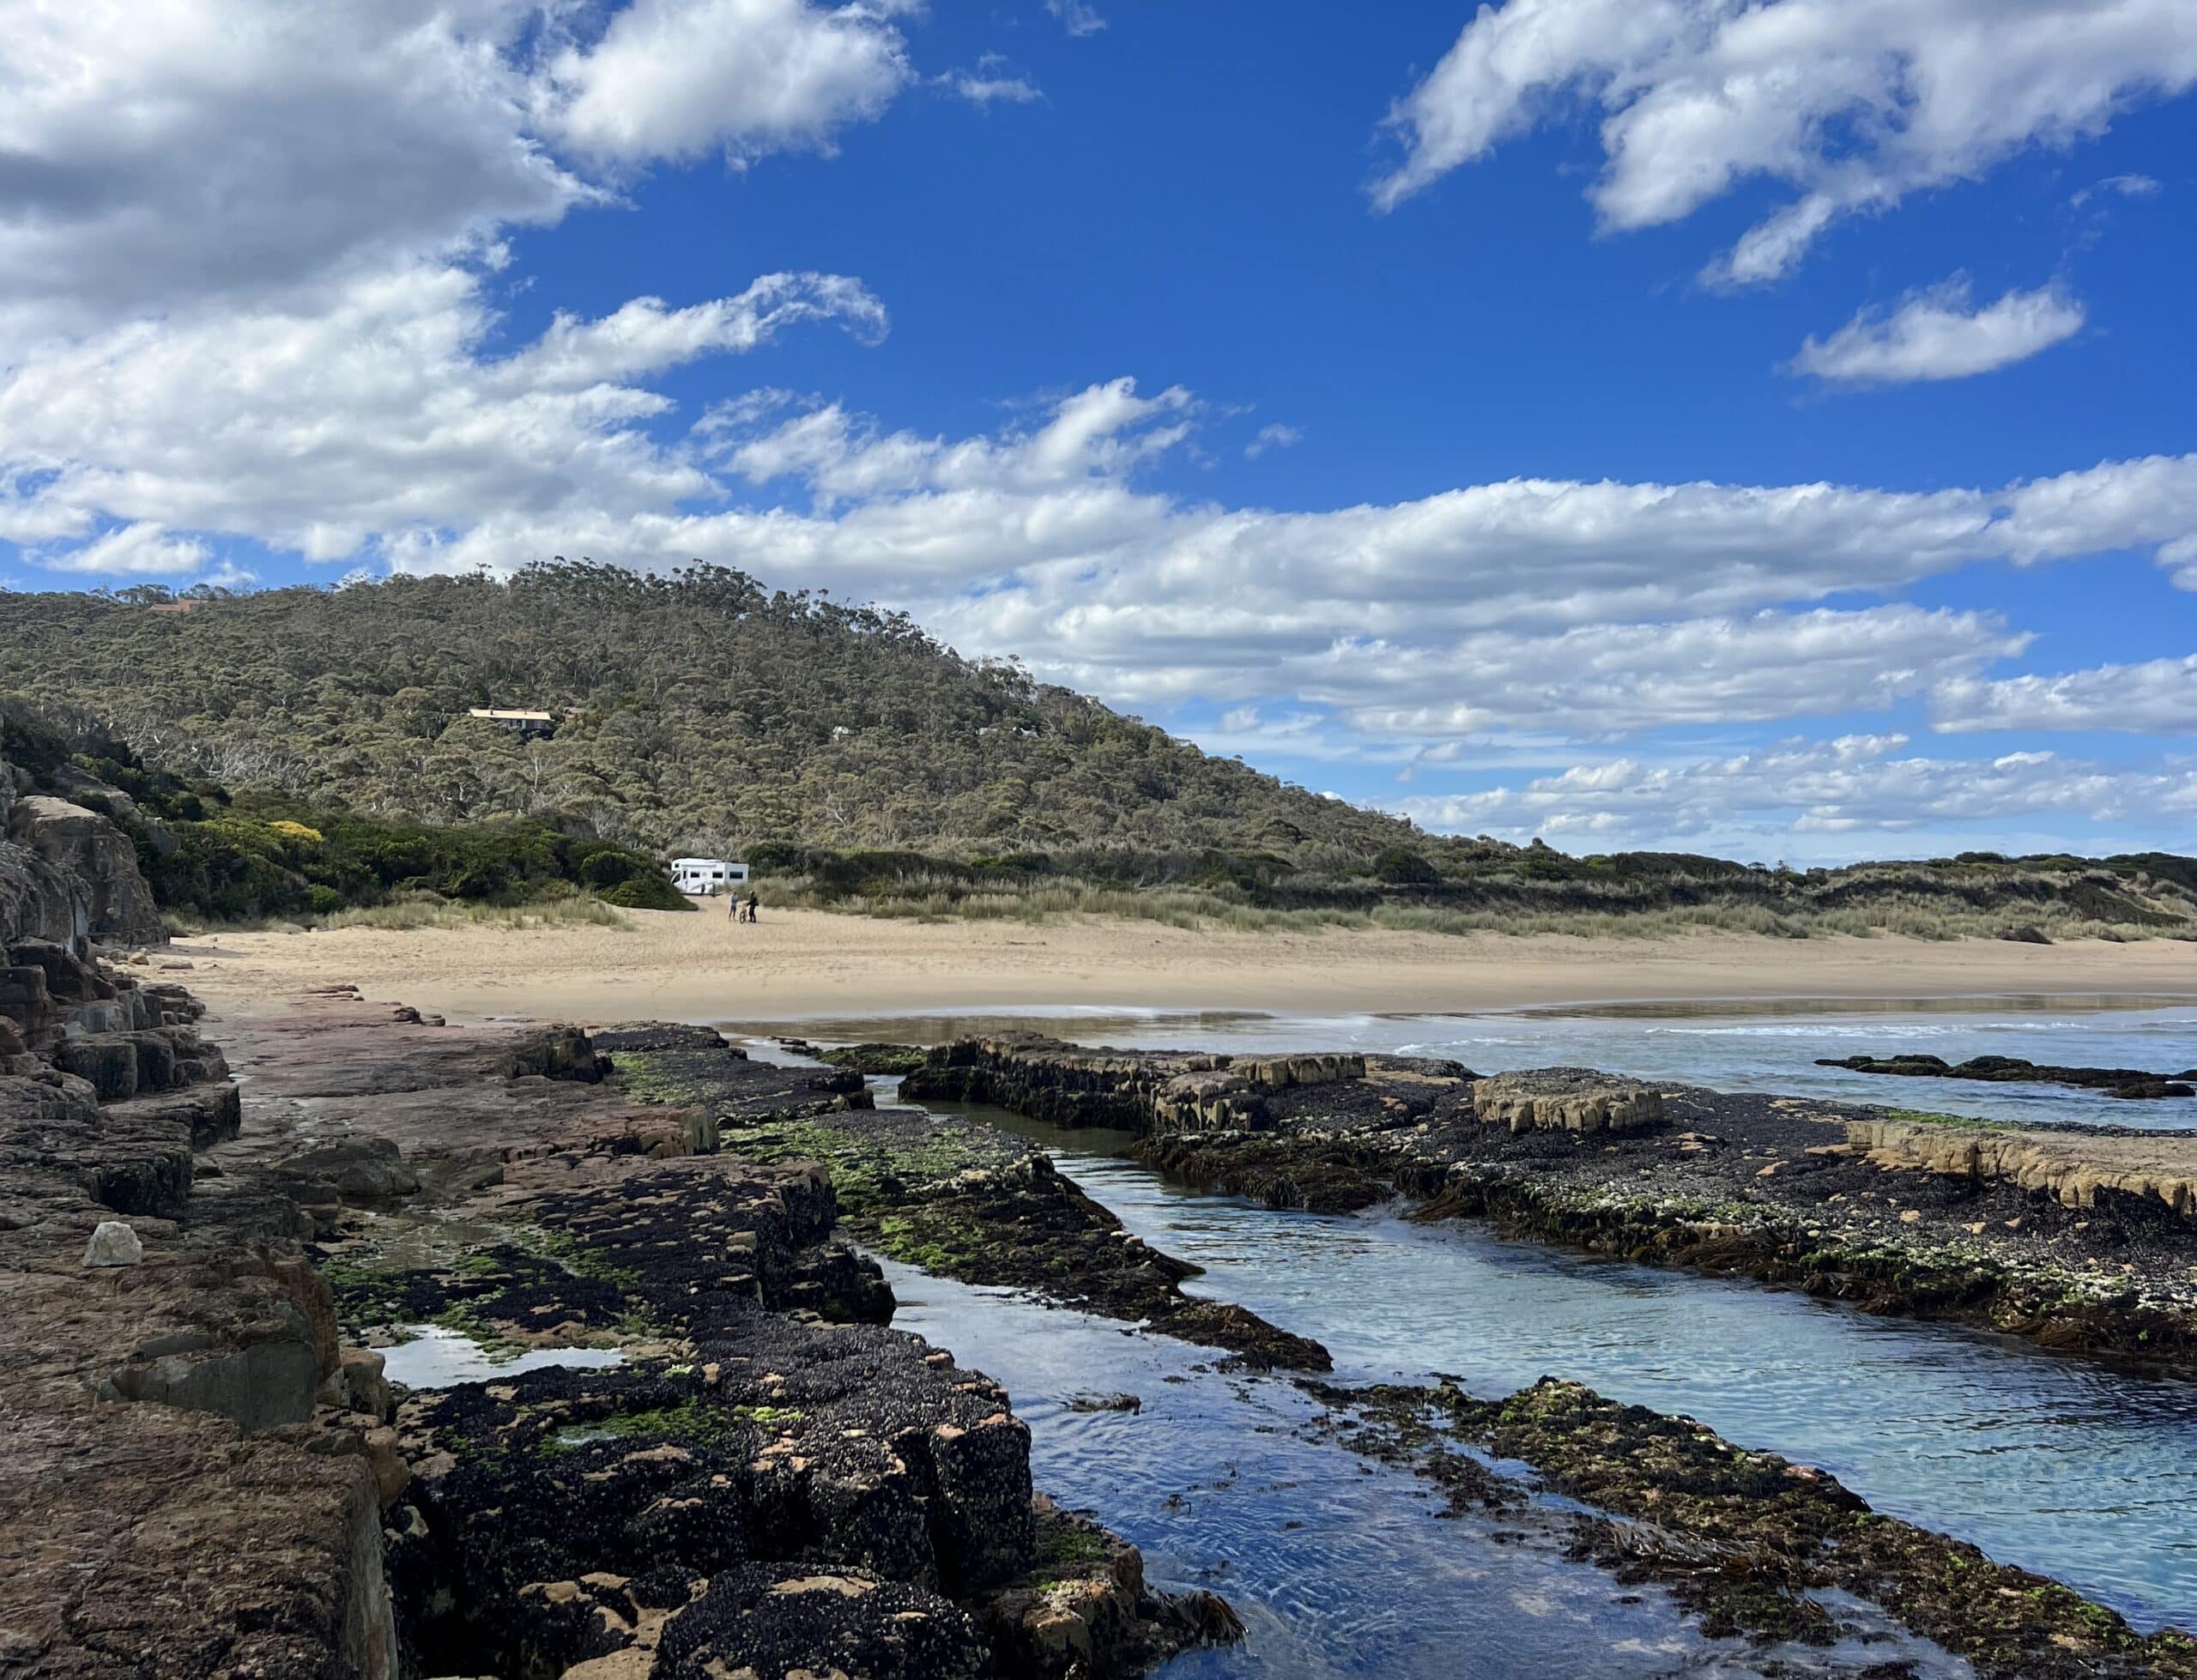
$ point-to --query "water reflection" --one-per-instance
(1338, 1566)
(2071, 1469)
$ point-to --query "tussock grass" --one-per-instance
(404, 915)
(410, 913)
(941, 899)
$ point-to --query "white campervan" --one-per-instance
(706, 876)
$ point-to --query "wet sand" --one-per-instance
(801, 963)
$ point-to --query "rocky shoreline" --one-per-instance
(2128, 1082)
(952, 1196)
(767, 1469)
(2077, 1240)
(1752, 1544)
(212, 1225)
(214, 1476)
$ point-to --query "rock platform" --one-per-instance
(2075, 1237)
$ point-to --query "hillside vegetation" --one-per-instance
(857, 760)
(209, 855)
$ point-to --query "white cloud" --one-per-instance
(678, 78)
(2157, 697)
(1273, 438)
(1939, 334)
(990, 83)
(161, 153)
(1854, 104)
(1075, 16)
(2126, 186)
(135, 551)
(1603, 681)
(1579, 609)
(375, 417)
(381, 425)
(1858, 793)
(167, 155)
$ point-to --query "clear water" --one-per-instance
(1337, 1565)
(432, 1356)
(1761, 1047)
(2081, 1472)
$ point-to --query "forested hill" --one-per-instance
(856, 760)
(699, 709)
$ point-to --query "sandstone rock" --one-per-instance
(391, 1474)
(2071, 1168)
(358, 1384)
(359, 1169)
(266, 1376)
(556, 1053)
(1282, 1072)
(85, 845)
(113, 1244)
(39, 899)
(109, 1061)
(1566, 1099)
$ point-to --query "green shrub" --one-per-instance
(1400, 867)
(609, 869)
(646, 892)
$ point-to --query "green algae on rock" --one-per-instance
(951, 1194)
(1751, 1541)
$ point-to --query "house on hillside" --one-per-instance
(706, 877)
(526, 723)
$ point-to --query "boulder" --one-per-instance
(358, 1384)
(84, 844)
(555, 1053)
(113, 1244)
(359, 1169)
(108, 1061)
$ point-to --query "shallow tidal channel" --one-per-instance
(1339, 1567)
(2070, 1468)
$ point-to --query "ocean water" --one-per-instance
(1339, 1567)
(1770, 1047)
(2077, 1470)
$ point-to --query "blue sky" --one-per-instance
(1757, 429)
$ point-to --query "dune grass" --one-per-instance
(942, 898)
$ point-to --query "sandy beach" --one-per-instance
(801, 964)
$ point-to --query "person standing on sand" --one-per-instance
(753, 901)
(733, 907)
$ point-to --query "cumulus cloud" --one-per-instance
(162, 157)
(677, 78)
(1842, 791)
(2157, 697)
(1273, 438)
(384, 428)
(1939, 334)
(158, 155)
(1621, 679)
(143, 550)
(373, 418)
(1852, 104)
